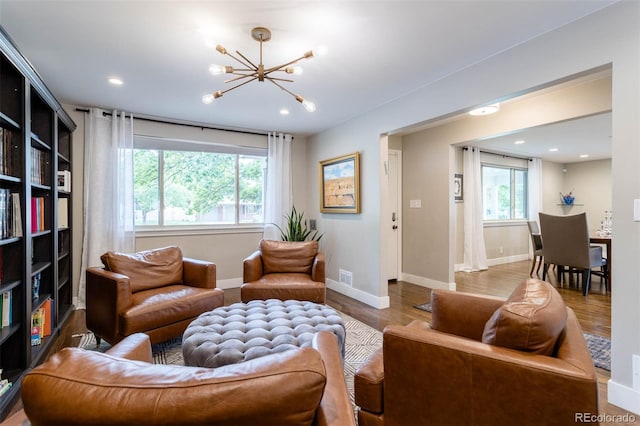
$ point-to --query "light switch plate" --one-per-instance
(415, 204)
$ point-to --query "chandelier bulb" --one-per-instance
(297, 70)
(207, 99)
(220, 69)
(221, 49)
(217, 94)
(308, 105)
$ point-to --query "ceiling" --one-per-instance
(377, 51)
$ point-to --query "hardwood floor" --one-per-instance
(594, 311)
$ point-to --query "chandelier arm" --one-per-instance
(279, 79)
(248, 60)
(279, 67)
(248, 65)
(238, 85)
(283, 88)
(240, 77)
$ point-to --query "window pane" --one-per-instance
(520, 194)
(251, 171)
(496, 190)
(146, 191)
(199, 188)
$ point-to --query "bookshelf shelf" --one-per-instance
(35, 136)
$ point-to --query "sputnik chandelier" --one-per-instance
(252, 72)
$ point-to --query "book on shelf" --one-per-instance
(5, 385)
(8, 152)
(64, 180)
(36, 280)
(37, 214)
(36, 323)
(16, 215)
(63, 213)
(38, 166)
(7, 315)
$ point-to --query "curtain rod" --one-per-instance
(199, 126)
(500, 155)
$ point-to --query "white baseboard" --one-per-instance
(426, 282)
(362, 296)
(623, 397)
(229, 283)
(507, 259)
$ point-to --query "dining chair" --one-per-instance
(566, 244)
(536, 243)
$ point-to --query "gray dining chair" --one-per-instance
(566, 244)
(536, 243)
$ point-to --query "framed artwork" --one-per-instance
(340, 184)
(457, 187)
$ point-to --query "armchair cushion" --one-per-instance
(288, 256)
(530, 320)
(147, 269)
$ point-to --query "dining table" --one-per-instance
(606, 241)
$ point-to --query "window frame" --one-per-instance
(512, 184)
(168, 144)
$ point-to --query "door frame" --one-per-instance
(398, 154)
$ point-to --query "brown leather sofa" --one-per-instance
(284, 270)
(157, 292)
(483, 361)
(122, 387)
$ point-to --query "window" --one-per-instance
(504, 192)
(203, 184)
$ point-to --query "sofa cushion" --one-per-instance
(288, 256)
(147, 269)
(530, 320)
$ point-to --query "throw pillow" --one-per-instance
(530, 320)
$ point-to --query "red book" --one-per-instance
(34, 214)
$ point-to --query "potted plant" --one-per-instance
(296, 229)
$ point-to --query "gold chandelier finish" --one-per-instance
(252, 72)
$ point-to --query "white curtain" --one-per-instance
(279, 193)
(534, 183)
(534, 179)
(475, 253)
(108, 189)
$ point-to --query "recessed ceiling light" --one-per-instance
(485, 110)
(284, 111)
(520, 142)
(553, 149)
(584, 155)
(116, 81)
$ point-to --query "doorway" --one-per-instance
(394, 233)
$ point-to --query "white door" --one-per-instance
(395, 204)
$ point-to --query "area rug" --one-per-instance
(361, 341)
(600, 347)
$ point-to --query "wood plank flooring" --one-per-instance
(594, 311)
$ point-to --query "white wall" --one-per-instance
(355, 242)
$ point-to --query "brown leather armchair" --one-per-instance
(483, 361)
(122, 387)
(157, 292)
(284, 270)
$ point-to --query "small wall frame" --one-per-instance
(339, 180)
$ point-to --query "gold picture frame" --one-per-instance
(339, 179)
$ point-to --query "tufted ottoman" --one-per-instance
(244, 331)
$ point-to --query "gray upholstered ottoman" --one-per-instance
(244, 331)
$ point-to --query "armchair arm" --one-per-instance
(108, 294)
(317, 269)
(252, 267)
(198, 273)
(136, 347)
(335, 407)
(462, 314)
(468, 382)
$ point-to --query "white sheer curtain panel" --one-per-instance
(108, 189)
(534, 190)
(279, 194)
(475, 253)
